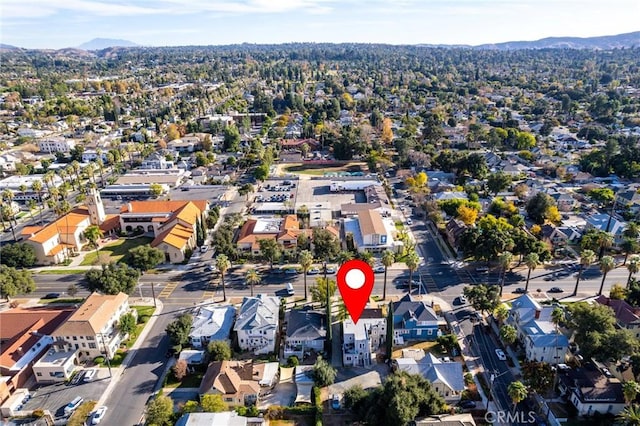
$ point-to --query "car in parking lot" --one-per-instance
(290, 271)
(462, 299)
(500, 354)
(405, 283)
(51, 296)
(556, 290)
(73, 405)
(98, 415)
(89, 375)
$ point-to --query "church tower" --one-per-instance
(96, 208)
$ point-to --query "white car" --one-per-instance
(204, 249)
(98, 415)
(409, 222)
(500, 354)
(463, 300)
(378, 269)
(73, 405)
(89, 375)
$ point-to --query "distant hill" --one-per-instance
(103, 43)
(599, 43)
(8, 47)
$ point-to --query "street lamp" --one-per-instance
(492, 397)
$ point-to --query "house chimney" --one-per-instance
(129, 207)
(537, 314)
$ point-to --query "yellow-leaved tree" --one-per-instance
(467, 214)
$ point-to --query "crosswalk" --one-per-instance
(429, 283)
(168, 289)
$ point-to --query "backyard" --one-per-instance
(115, 252)
(326, 169)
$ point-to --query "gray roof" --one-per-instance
(305, 324)
(407, 308)
(258, 312)
(225, 418)
(213, 322)
(432, 369)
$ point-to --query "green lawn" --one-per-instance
(321, 169)
(62, 271)
(116, 251)
(61, 301)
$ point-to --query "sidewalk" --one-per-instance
(117, 372)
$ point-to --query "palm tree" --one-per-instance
(628, 246)
(586, 259)
(517, 392)
(508, 334)
(368, 258)
(412, 261)
(252, 278)
(7, 210)
(607, 263)
(100, 164)
(531, 260)
(605, 241)
(630, 390)
(306, 260)
(501, 313)
(222, 263)
(344, 257)
(93, 234)
(388, 258)
(36, 187)
(32, 205)
(633, 266)
(632, 231)
(505, 260)
(630, 416)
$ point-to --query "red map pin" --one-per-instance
(355, 280)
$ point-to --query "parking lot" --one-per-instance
(55, 397)
(317, 190)
(277, 191)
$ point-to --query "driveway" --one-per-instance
(283, 394)
(54, 397)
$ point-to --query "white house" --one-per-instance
(537, 332)
(211, 323)
(257, 324)
(361, 341)
(52, 145)
(370, 231)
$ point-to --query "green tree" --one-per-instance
(219, 350)
(508, 334)
(390, 333)
(388, 258)
(190, 407)
(306, 260)
(145, 257)
(222, 264)
(538, 376)
(160, 411)
(448, 342)
(127, 323)
(93, 234)
(630, 389)
(319, 291)
(270, 250)
(15, 281)
(72, 290)
(630, 416)
(354, 400)
(618, 292)
(245, 190)
(607, 263)
(156, 190)
(531, 260)
(212, 403)
(497, 182)
(633, 267)
(628, 246)
(113, 279)
(538, 206)
(18, 255)
(517, 392)
(323, 373)
(252, 278)
(501, 313)
(178, 329)
(587, 257)
(505, 260)
(344, 256)
(326, 245)
(261, 172)
(484, 298)
(412, 261)
(231, 139)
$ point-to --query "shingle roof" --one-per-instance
(371, 223)
(258, 312)
(93, 314)
(230, 378)
(407, 308)
(213, 322)
(305, 324)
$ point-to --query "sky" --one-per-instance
(69, 23)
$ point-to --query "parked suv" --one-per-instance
(73, 405)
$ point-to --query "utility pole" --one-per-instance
(328, 341)
(106, 353)
(153, 293)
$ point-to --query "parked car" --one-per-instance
(335, 402)
(98, 415)
(331, 270)
(73, 405)
(290, 271)
(556, 290)
(463, 300)
(467, 403)
(500, 354)
(203, 249)
(519, 290)
(313, 271)
(378, 269)
(89, 375)
(51, 296)
(409, 222)
(290, 290)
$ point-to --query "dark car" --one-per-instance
(467, 403)
(519, 290)
(556, 290)
(51, 296)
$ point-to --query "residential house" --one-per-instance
(25, 334)
(454, 229)
(257, 324)
(465, 419)
(284, 230)
(536, 330)
(370, 231)
(604, 222)
(193, 357)
(224, 418)
(53, 243)
(447, 378)
(414, 320)
(185, 145)
(564, 201)
(211, 323)
(92, 330)
(239, 382)
(92, 155)
(51, 145)
(453, 195)
(306, 331)
(590, 391)
(361, 341)
(629, 198)
(627, 316)
(8, 162)
(157, 161)
(173, 224)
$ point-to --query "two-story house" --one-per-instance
(370, 231)
(627, 316)
(257, 324)
(239, 382)
(604, 222)
(590, 391)
(536, 330)
(51, 145)
(284, 230)
(92, 330)
(361, 341)
(306, 331)
(414, 320)
(211, 322)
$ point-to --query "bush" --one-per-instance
(293, 361)
(38, 413)
(275, 412)
(99, 360)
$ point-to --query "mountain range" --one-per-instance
(104, 43)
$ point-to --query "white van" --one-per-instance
(290, 291)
